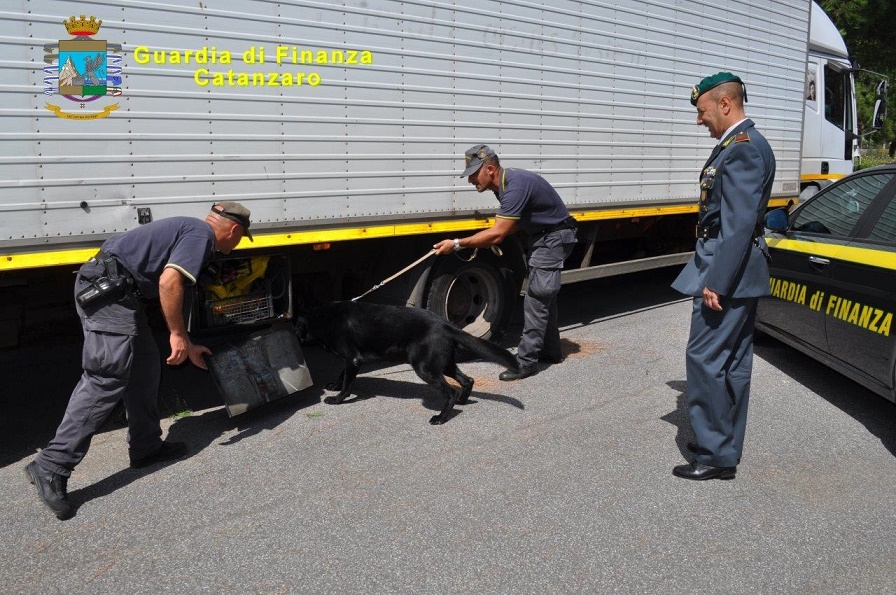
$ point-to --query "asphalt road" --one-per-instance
(560, 483)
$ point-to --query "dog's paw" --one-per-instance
(332, 400)
(437, 420)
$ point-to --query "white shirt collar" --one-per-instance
(727, 132)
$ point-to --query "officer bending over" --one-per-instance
(120, 357)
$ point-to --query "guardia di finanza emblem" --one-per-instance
(82, 70)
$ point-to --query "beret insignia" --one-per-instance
(711, 82)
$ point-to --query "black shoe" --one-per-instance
(547, 359)
(700, 471)
(513, 375)
(52, 489)
(167, 452)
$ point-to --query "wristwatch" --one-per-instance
(456, 244)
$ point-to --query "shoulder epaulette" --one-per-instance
(742, 137)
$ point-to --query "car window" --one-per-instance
(837, 99)
(837, 210)
(885, 228)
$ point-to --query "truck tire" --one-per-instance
(476, 296)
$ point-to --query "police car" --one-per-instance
(833, 278)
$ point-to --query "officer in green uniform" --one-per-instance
(726, 276)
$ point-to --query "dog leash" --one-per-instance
(494, 249)
(399, 273)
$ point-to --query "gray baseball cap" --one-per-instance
(475, 157)
(235, 212)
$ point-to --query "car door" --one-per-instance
(861, 303)
(819, 231)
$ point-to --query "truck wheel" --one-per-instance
(476, 296)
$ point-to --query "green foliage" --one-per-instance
(867, 26)
(181, 410)
(874, 155)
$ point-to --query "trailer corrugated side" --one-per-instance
(352, 124)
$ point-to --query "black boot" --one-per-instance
(517, 375)
(52, 489)
(168, 451)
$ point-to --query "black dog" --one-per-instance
(361, 333)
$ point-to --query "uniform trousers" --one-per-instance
(541, 334)
(719, 365)
(121, 361)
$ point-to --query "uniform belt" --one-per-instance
(101, 257)
(107, 260)
(568, 223)
(707, 232)
(711, 232)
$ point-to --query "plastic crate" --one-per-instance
(247, 308)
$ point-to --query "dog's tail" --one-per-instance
(486, 350)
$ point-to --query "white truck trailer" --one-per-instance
(342, 126)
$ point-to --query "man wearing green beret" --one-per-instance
(726, 276)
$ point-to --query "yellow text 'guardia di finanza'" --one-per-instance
(282, 54)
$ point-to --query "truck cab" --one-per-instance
(830, 134)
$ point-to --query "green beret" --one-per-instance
(711, 82)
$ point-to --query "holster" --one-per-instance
(114, 282)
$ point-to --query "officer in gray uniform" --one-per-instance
(528, 203)
(726, 276)
(120, 357)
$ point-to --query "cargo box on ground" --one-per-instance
(266, 366)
